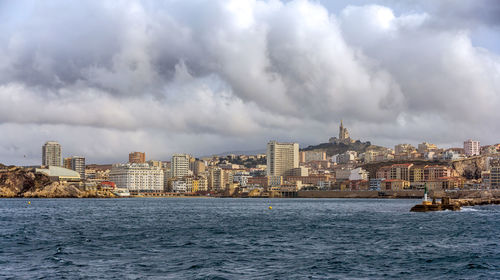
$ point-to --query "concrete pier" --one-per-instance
(453, 204)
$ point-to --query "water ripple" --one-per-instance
(179, 238)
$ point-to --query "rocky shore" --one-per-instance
(21, 182)
(447, 203)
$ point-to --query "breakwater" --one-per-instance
(452, 204)
(361, 194)
(454, 194)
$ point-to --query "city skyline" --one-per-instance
(470, 148)
(249, 139)
(240, 73)
(183, 159)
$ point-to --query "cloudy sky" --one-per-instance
(108, 77)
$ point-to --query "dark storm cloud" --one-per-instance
(207, 76)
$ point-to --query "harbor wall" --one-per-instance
(361, 194)
(399, 194)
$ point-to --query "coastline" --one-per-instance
(407, 194)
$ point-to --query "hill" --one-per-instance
(340, 147)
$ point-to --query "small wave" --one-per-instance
(195, 267)
(476, 266)
(58, 260)
(468, 209)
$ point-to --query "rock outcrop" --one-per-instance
(486, 198)
(470, 168)
(21, 182)
(14, 181)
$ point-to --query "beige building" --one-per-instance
(370, 156)
(274, 180)
(395, 185)
(200, 184)
(417, 174)
(426, 147)
(299, 171)
(195, 184)
(216, 179)
(51, 154)
(307, 156)
(434, 172)
(403, 149)
(401, 171)
(199, 167)
(180, 165)
(385, 156)
(281, 157)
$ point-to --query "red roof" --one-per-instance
(109, 183)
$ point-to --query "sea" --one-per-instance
(224, 238)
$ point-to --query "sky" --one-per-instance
(105, 78)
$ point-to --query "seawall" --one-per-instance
(400, 194)
(361, 194)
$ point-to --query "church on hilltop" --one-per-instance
(343, 133)
(343, 136)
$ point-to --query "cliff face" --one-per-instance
(20, 182)
(15, 181)
(470, 168)
(58, 190)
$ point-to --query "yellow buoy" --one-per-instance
(29, 202)
(270, 207)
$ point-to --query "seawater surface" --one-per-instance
(197, 238)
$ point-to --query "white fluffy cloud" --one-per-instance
(106, 78)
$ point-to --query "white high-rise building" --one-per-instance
(281, 157)
(78, 164)
(242, 178)
(471, 148)
(137, 177)
(180, 165)
(216, 179)
(51, 154)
